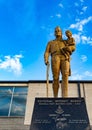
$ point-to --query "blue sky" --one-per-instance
(27, 25)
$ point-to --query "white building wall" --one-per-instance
(34, 90)
(88, 98)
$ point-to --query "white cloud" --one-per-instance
(84, 58)
(81, 12)
(12, 64)
(79, 25)
(82, 1)
(79, 38)
(76, 77)
(60, 5)
(58, 15)
(87, 73)
(52, 16)
(84, 8)
(90, 42)
(76, 4)
(86, 39)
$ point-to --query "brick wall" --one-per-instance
(13, 123)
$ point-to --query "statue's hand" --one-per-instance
(46, 62)
(62, 50)
(67, 49)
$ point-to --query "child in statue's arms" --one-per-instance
(70, 45)
(69, 48)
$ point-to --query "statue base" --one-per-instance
(60, 114)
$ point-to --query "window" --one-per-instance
(13, 101)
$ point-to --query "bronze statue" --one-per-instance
(60, 51)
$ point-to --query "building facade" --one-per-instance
(17, 100)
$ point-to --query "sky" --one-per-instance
(26, 26)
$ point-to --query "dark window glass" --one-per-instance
(5, 99)
(13, 101)
(19, 102)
